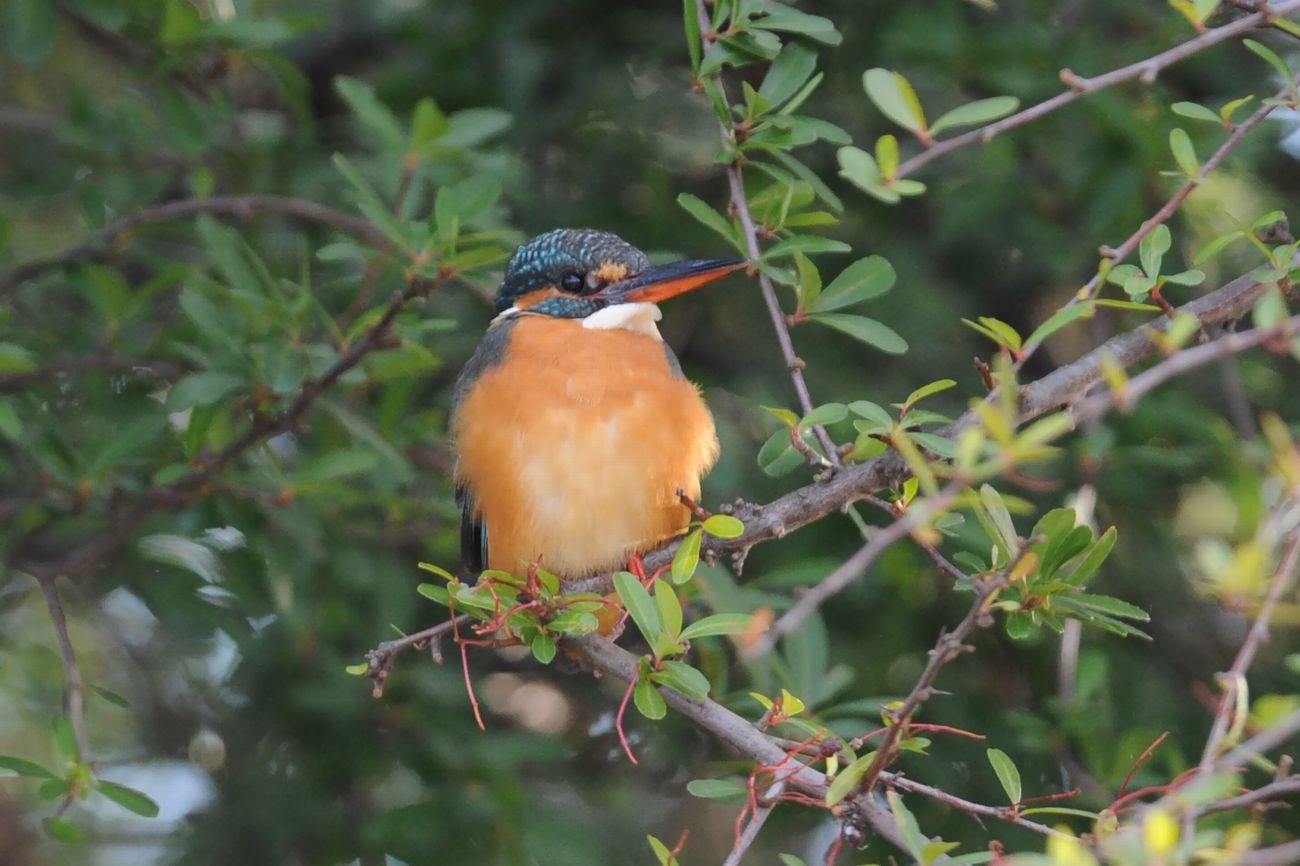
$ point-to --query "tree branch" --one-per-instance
(605, 656)
(104, 241)
(10, 382)
(87, 553)
(76, 688)
(1079, 87)
(740, 203)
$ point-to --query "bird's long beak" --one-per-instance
(661, 282)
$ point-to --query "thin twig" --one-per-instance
(104, 241)
(1185, 361)
(114, 363)
(853, 567)
(756, 822)
(1262, 794)
(76, 690)
(949, 646)
(1229, 703)
(1079, 87)
(1002, 813)
(942, 562)
(740, 203)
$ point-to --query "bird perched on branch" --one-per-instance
(574, 427)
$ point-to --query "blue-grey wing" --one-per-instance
(473, 530)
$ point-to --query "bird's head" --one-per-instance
(580, 273)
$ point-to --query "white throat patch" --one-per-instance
(638, 318)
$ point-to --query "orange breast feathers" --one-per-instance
(574, 447)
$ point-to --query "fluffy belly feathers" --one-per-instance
(575, 445)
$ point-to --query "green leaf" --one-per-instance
(1060, 319)
(369, 202)
(687, 557)
(847, 779)
(791, 69)
(648, 700)
(873, 413)
(860, 168)
(662, 852)
(373, 114)
(128, 798)
(924, 391)
(670, 609)
(717, 624)
(684, 678)
(201, 389)
(1185, 278)
(1184, 154)
(915, 842)
(716, 789)
(65, 739)
(29, 28)
(707, 216)
(24, 767)
(639, 604)
(1230, 108)
(1002, 529)
(428, 124)
(1270, 57)
(723, 526)
(471, 127)
(1109, 606)
(791, 860)
(543, 647)
(11, 425)
(777, 457)
(437, 593)
(357, 670)
(1153, 248)
(574, 622)
(1196, 111)
(894, 96)
(976, 113)
(787, 19)
(941, 446)
(693, 36)
(869, 331)
(863, 280)
(63, 830)
(887, 156)
(1059, 810)
(827, 413)
(1008, 775)
(806, 244)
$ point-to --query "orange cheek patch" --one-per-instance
(532, 299)
(611, 272)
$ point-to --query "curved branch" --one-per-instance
(740, 203)
(104, 241)
(25, 556)
(1079, 87)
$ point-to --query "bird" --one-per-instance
(576, 434)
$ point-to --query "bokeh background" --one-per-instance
(221, 631)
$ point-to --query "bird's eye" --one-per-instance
(572, 282)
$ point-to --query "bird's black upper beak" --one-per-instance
(661, 282)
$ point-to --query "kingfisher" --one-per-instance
(576, 433)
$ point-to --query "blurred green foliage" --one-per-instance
(214, 631)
